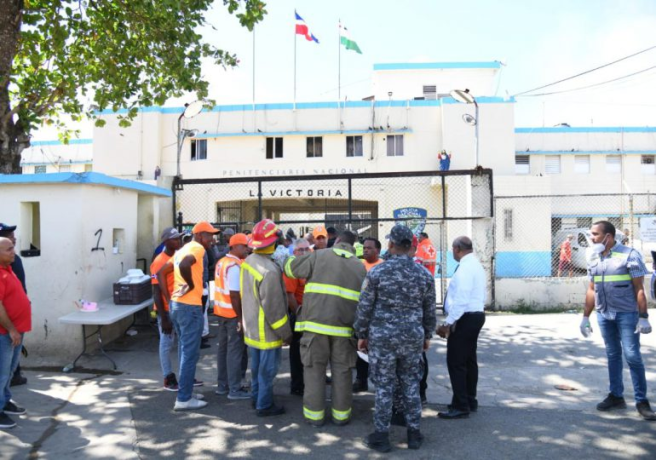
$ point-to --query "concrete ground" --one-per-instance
(93, 413)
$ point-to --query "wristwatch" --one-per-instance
(643, 315)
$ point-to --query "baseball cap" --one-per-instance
(238, 238)
(7, 228)
(319, 230)
(170, 233)
(204, 226)
(401, 234)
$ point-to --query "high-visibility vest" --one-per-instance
(222, 301)
(613, 284)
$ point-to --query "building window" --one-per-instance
(522, 164)
(508, 224)
(314, 147)
(394, 146)
(552, 164)
(198, 149)
(353, 146)
(64, 168)
(41, 169)
(582, 164)
(647, 164)
(430, 92)
(613, 164)
(88, 168)
(273, 147)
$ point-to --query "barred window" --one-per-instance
(41, 169)
(508, 224)
(274, 147)
(198, 149)
(522, 164)
(552, 164)
(354, 146)
(395, 146)
(314, 147)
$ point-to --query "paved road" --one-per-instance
(95, 414)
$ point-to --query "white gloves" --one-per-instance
(643, 326)
(586, 327)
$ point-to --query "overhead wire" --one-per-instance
(586, 72)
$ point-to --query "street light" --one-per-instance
(190, 111)
(467, 98)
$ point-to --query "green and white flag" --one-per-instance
(346, 40)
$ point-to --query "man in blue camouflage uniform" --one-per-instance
(395, 320)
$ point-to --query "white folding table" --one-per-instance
(108, 313)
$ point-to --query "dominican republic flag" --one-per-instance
(303, 29)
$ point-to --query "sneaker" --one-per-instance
(415, 439)
(6, 421)
(198, 383)
(378, 441)
(198, 396)
(645, 410)
(192, 404)
(611, 402)
(13, 409)
(170, 382)
(240, 394)
(221, 391)
(271, 411)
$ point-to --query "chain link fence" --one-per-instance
(444, 205)
(532, 231)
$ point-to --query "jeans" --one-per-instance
(9, 356)
(188, 323)
(620, 337)
(229, 355)
(165, 346)
(264, 367)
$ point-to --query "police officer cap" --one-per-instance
(401, 234)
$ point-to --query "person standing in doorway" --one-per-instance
(227, 307)
(464, 307)
(616, 291)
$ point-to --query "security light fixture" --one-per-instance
(464, 96)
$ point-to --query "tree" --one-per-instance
(55, 54)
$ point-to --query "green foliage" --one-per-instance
(116, 53)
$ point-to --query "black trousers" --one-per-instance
(461, 360)
(361, 370)
(295, 364)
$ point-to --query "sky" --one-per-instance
(538, 41)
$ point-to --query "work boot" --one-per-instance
(360, 385)
(611, 402)
(378, 441)
(644, 409)
(415, 439)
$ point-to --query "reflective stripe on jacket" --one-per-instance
(222, 301)
(613, 284)
(263, 303)
(334, 278)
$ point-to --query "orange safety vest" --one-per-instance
(222, 301)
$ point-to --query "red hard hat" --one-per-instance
(265, 233)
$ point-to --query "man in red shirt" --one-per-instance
(15, 321)
(565, 261)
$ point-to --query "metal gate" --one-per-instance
(443, 204)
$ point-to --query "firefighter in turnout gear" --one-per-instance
(264, 309)
(334, 277)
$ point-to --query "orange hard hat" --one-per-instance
(265, 233)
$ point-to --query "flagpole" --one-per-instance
(339, 61)
(254, 126)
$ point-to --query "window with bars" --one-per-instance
(430, 92)
(582, 164)
(647, 164)
(394, 146)
(41, 169)
(198, 149)
(552, 164)
(522, 164)
(314, 147)
(274, 147)
(613, 164)
(354, 146)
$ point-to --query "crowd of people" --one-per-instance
(338, 304)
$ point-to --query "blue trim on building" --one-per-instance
(57, 142)
(438, 65)
(90, 178)
(62, 163)
(346, 132)
(586, 152)
(590, 129)
(516, 264)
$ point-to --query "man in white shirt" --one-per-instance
(464, 307)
